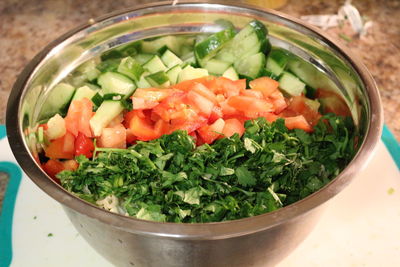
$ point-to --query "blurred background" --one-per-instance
(26, 26)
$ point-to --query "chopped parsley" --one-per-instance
(171, 180)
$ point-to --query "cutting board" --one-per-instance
(360, 226)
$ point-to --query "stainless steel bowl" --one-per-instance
(257, 241)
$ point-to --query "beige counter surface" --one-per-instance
(26, 26)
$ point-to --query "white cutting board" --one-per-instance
(360, 227)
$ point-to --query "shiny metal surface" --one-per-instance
(258, 241)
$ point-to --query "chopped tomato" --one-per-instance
(204, 91)
(78, 116)
(52, 167)
(227, 87)
(278, 100)
(252, 93)
(209, 133)
(250, 104)
(70, 165)
(269, 116)
(228, 110)
(61, 148)
(202, 104)
(298, 106)
(265, 85)
(188, 125)
(130, 137)
(216, 113)
(298, 122)
(152, 94)
(142, 128)
(186, 85)
(233, 126)
(114, 137)
(140, 103)
(84, 145)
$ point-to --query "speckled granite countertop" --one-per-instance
(26, 26)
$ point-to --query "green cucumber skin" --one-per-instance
(246, 67)
(131, 68)
(107, 82)
(210, 46)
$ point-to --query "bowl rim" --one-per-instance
(196, 231)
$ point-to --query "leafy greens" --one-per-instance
(171, 180)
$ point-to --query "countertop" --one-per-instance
(26, 26)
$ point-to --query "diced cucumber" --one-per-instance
(40, 135)
(154, 65)
(107, 111)
(173, 74)
(143, 83)
(131, 68)
(158, 79)
(189, 73)
(142, 58)
(92, 86)
(109, 65)
(172, 42)
(209, 47)
(269, 74)
(216, 66)
(115, 83)
(252, 66)
(170, 59)
(57, 101)
(82, 92)
(189, 59)
(89, 69)
(277, 61)
(250, 40)
(231, 73)
(291, 84)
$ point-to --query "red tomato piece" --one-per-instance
(233, 126)
(298, 106)
(73, 117)
(52, 167)
(202, 104)
(250, 104)
(140, 103)
(114, 137)
(252, 93)
(84, 146)
(130, 137)
(216, 113)
(265, 85)
(186, 85)
(209, 133)
(269, 116)
(78, 116)
(298, 122)
(70, 165)
(228, 110)
(278, 100)
(86, 115)
(152, 94)
(204, 91)
(142, 128)
(227, 87)
(61, 148)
